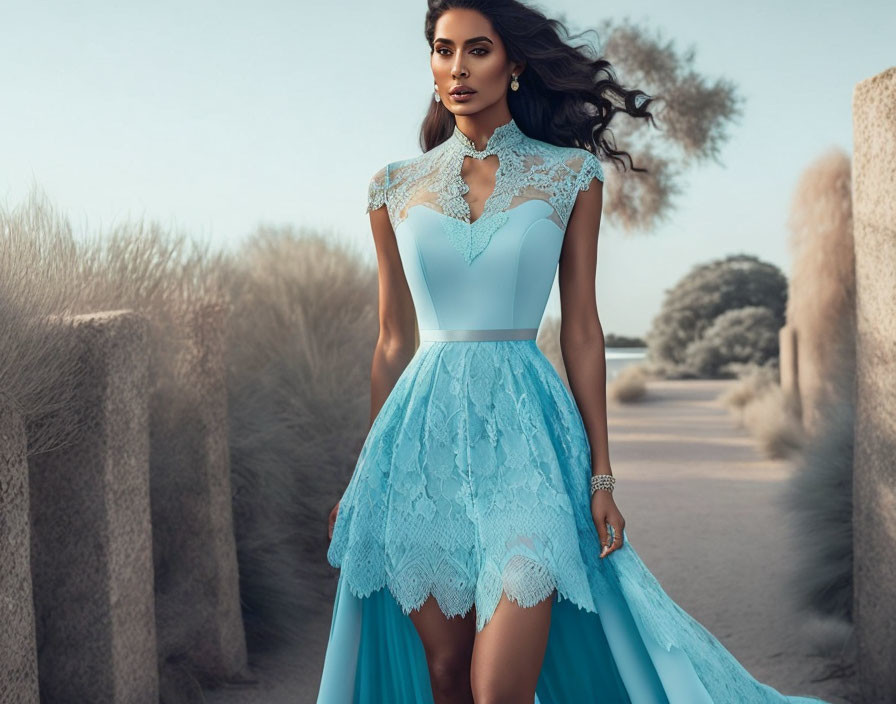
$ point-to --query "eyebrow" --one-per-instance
(474, 40)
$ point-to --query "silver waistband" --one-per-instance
(479, 335)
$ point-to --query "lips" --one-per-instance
(461, 90)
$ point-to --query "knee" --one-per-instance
(493, 694)
(449, 673)
(490, 689)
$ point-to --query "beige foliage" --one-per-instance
(769, 414)
(771, 419)
(821, 296)
(693, 113)
(630, 384)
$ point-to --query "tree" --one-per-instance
(695, 113)
(691, 307)
(746, 335)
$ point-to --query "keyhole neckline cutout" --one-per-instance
(500, 143)
(466, 190)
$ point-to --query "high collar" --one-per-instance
(501, 138)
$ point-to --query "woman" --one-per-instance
(482, 555)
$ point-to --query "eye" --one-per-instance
(443, 49)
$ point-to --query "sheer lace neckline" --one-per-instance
(528, 170)
(503, 137)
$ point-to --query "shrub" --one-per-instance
(753, 379)
(772, 418)
(819, 498)
(746, 335)
(770, 414)
(629, 385)
(691, 307)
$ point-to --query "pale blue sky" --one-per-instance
(212, 117)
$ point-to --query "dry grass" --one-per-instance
(39, 368)
(821, 295)
(772, 418)
(630, 385)
(766, 411)
(751, 383)
(300, 346)
(819, 500)
(822, 283)
(821, 308)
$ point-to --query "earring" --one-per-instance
(514, 84)
(436, 93)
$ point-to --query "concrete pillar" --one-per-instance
(197, 580)
(91, 548)
(18, 650)
(874, 481)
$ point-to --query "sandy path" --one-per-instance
(700, 509)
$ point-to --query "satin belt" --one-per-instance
(479, 335)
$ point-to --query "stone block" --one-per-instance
(91, 538)
(18, 650)
(874, 481)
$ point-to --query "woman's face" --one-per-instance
(467, 51)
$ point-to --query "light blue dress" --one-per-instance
(474, 477)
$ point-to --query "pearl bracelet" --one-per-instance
(602, 481)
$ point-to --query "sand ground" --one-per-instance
(702, 510)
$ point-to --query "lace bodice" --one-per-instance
(528, 169)
(509, 254)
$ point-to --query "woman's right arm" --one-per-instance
(396, 342)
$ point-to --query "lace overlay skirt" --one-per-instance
(473, 480)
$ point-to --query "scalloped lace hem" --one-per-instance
(540, 585)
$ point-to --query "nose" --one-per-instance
(457, 70)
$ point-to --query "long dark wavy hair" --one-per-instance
(566, 97)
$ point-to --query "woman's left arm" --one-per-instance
(582, 347)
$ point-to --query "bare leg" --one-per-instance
(448, 644)
(508, 652)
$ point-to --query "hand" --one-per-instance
(332, 519)
(603, 511)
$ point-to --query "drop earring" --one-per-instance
(435, 95)
(514, 84)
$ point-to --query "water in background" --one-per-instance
(620, 357)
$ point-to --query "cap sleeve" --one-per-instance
(590, 168)
(376, 189)
(582, 167)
